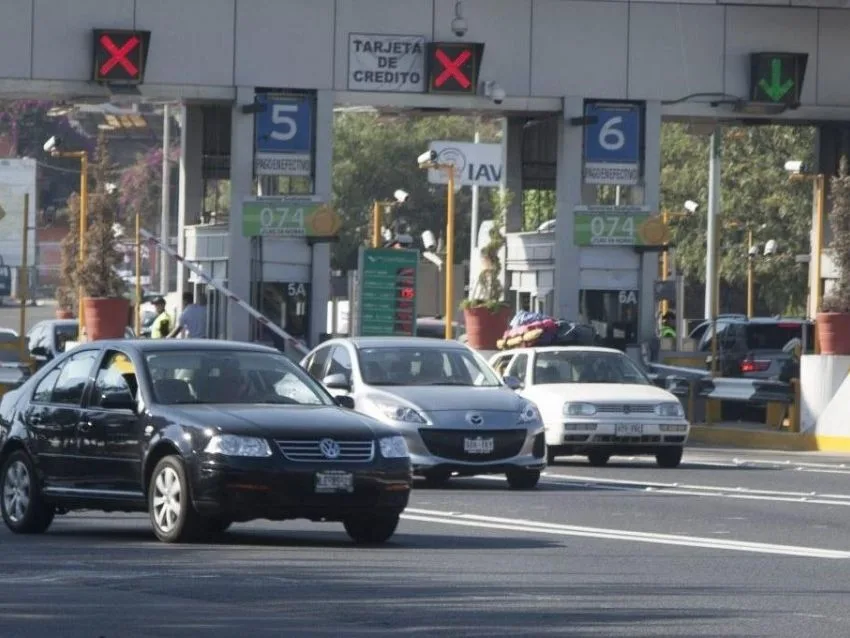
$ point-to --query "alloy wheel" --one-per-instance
(16, 491)
(167, 499)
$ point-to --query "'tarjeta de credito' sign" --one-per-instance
(386, 63)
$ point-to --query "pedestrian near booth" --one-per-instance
(192, 323)
(161, 326)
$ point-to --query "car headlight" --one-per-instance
(399, 413)
(234, 445)
(529, 413)
(394, 447)
(579, 409)
(670, 409)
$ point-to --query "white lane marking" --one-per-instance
(536, 527)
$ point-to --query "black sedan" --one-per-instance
(200, 434)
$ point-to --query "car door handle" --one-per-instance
(85, 426)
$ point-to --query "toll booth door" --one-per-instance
(614, 314)
(216, 314)
(287, 305)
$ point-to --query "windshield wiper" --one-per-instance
(385, 383)
(452, 383)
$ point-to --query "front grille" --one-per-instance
(449, 444)
(309, 450)
(646, 438)
(625, 408)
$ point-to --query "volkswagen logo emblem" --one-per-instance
(329, 448)
(474, 418)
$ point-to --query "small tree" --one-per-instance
(488, 291)
(98, 275)
(66, 291)
(839, 217)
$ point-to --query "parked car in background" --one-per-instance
(198, 433)
(47, 339)
(757, 348)
(457, 416)
(597, 402)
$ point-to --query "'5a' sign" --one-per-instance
(284, 134)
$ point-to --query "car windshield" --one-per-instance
(431, 365)
(586, 367)
(230, 376)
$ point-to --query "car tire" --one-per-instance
(22, 504)
(173, 517)
(371, 530)
(436, 480)
(598, 459)
(523, 479)
(669, 457)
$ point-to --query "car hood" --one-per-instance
(278, 420)
(603, 392)
(441, 398)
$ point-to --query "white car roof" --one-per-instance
(539, 349)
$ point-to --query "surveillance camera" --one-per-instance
(429, 242)
(459, 27)
(795, 167)
(52, 144)
(404, 239)
(770, 248)
(754, 250)
(498, 95)
(428, 157)
(691, 206)
(401, 196)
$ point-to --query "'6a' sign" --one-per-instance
(120, 55)
(453, 67)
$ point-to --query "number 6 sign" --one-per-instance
(612, 143)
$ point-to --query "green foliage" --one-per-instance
(376, 154)
(755, 194)
(538, 206)
(488, 291)
(98, 274)
(66, 291)
(839, 218)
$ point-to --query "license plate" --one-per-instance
(334, 481)
(628, 429)
(478, 446)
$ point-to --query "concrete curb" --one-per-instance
(767, 440)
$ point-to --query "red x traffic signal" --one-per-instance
(453, 67)
(120, 55)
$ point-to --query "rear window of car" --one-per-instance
(775, 336)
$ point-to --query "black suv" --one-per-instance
(759, 348)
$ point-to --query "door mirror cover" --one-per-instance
(336, 382)
(345, 401)
(512, 382)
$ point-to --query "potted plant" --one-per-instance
(66, 291)
(104, 304)
(485, 312)
(833, 320)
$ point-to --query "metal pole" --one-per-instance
(376, 225)
(84, 223)
(450, 252)
(664, 266)
(820, 195)
(750, 275)
(137, 319)
(711, 279)
(23, 281)
(473, 231)
(166, 200)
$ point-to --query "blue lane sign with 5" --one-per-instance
(284, 135)
(612, 145)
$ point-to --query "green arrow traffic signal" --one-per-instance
(775, 89)
(777, 77)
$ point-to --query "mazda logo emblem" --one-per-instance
(473, 418)
(329, 448)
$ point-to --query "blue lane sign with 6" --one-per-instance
(284, 135)
(612, 145)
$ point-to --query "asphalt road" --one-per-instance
(10, 314)
(731, 544)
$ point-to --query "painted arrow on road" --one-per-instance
(776, 89)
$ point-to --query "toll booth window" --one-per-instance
(613, 313)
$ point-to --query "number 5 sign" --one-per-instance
(283, 142)
(612, 145)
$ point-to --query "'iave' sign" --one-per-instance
(475, 164)
(387, 63)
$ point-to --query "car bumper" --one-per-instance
(621, 435)
(248, 489)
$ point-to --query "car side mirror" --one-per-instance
(512, 382)
(117, 401)
(336, 382)
(344, 401)
(39, 351)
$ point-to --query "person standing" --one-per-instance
(161, 326)
(193, 320)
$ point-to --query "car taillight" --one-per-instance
(750, 365)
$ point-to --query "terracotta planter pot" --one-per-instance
(64, 314)
(833, 332)
(105, 318)
(484, 327)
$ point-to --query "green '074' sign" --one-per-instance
(289, 216)
(615, 226)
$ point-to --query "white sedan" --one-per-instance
(598, 402)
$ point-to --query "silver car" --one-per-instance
(456, 415)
